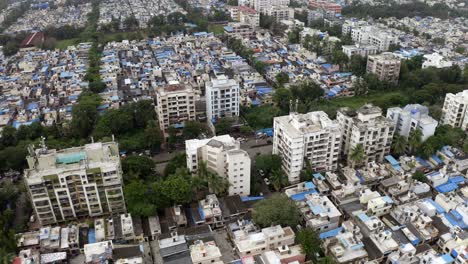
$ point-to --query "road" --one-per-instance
(252, 146)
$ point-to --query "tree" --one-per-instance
(223, 125)
(97, 87)
(326, 260)
(136, 196)
(193, 129)
(282, 78)
(357, 65)
(399, 145)
(177, 161)
(419, 176)
(357, 155)
(268, 163)
(138, 168)
(177, 187)
(278, 179)
(310, 242)
(282, 97)
(131, 22)
(415, 140)
(260, 66)
(339, 58)
(360, 86)
(153, 137)
(276, 210)
(209, 179)
(8, 137)
(85, 114)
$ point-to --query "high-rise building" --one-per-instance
(224, 156)
(375, 36)
(366, 126)
(313, 137)
(262, 5)
(222, 98)
(386, 66)
(175, 105)
(410, 118)
(455, 110)
(75, 182)
(280, 12)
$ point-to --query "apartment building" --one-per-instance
(312, 136)
(375, 36)
(222, 98)
(249, 16)
(175, 105)
(361, 50)
(239, 30)
(454, 112)
(410, 118)
(262, 5)
(75, 182)
(368, 127)
(386, 66)
(224, 156)
(280, 12)
(252, 244)
(325, 5)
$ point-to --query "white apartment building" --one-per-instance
(280, 13)
(374, 36)
(312, 136)
(251, 244)
(224, 156)
(262, 5)
(205, 253)
(361, 50)
(368, 127)
(386, 66)
(410, 118)
(454, 112)
(175, 105)
(75, 182)
(436, 60)
(222, 98)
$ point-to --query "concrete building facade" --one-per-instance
(368, 127)
(454, 112)
(175, 105)
(312, 136)
(386, 66)
(410, 118)
(76, 182)
(222, 98)
(224, 156)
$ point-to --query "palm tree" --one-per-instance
(399, 145)
(278, 179)
(208, 179)
(415, 140)
(357, 154)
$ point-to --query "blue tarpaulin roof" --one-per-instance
(309, 185)
(91, 236)
(437, 159)
(392, 160)
(436, 205)
(301, 196)
(331, 233)
(251, 198)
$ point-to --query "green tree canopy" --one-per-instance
(276, 210)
